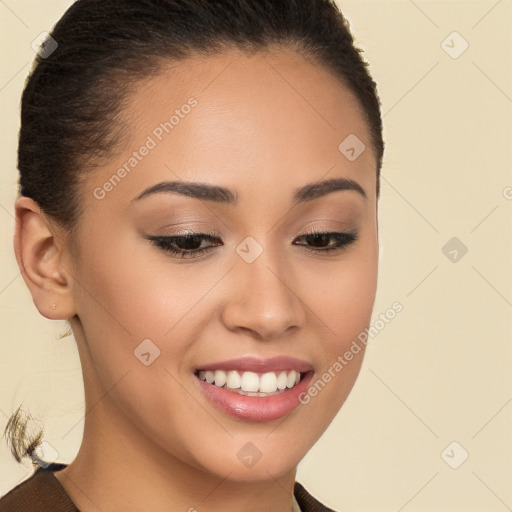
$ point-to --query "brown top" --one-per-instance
(42, 492)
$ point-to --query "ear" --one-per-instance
(42, 261)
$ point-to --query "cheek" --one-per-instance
(341, 303)
(341, 299)
(137, 297)
(132, 293)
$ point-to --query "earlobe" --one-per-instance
(40, 259)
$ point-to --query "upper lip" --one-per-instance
(258, 365)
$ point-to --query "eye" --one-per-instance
(191, 245)
(185, 246)
(326, 241)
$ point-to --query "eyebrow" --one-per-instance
(224, 195)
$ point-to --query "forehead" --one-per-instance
(271, 119)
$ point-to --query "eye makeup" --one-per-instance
(190, 244)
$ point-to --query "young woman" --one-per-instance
(198, 198)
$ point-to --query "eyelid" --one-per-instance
(164, 242)
(340, 225)
(343, 239)
(187, 231)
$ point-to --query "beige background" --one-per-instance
(440, 371)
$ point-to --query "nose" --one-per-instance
(263, 299)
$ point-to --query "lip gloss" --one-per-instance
(256, 408)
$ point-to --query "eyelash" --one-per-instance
(166, 243)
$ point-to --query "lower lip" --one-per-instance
(256, 408)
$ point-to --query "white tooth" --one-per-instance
(210, 376)
(250, 381)
(220, 378)
(268, 382)
(233, 380)
(202, 375)
(297, 378)
(282, 380)
(291, 379)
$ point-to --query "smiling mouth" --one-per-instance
(249, 383)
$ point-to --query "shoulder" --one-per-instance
(307, 503)
(41, 492)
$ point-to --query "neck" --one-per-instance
(118, 467)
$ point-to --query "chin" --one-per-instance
(256, 458)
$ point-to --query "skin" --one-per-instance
(264, 126)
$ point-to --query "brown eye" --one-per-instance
(325, 241)
(185, 246)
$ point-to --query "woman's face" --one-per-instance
(262, 297)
